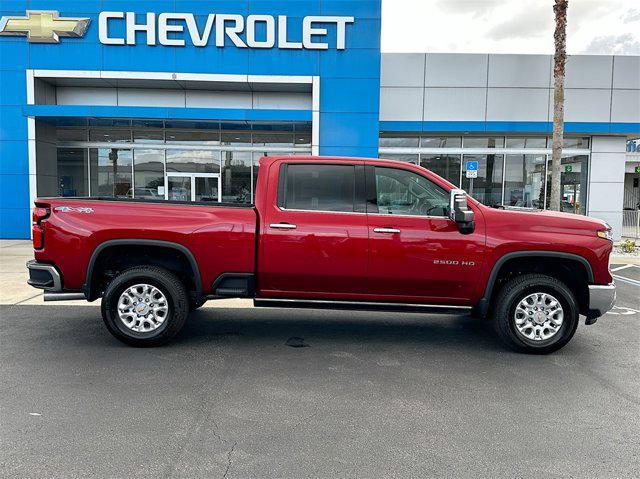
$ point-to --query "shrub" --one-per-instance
(628, 246)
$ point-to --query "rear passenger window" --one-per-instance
(320, 187)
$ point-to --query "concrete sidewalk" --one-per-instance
(15, 290)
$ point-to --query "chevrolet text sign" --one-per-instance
(170, 29)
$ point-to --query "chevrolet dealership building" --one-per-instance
(179, 99)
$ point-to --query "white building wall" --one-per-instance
(480, 87)
(260, 100)
(606, 180)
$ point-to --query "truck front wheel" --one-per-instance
(535, 313)
(145, 306)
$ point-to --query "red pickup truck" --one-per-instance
(327, 233)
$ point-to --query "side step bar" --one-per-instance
(359, 305)
(63, 296)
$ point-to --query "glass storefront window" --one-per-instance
(148, 136)
(236, 138)
(110, 172)
(574, 143)
(143, 124)
(302, 139)
(199, 137)
(273, 139)
(236, 176)
(573, 183)
(399, 140)
(193, 161)
(110, 122)
(179, 188)
(206, 188)
(148, 168)
(71, 134)
(131, 164)
(528, 142)
(409, 158)
(571, 143)
(72, 172)
(441, 142)
(483, 142)
(487, 187)
(110, 136)
(446, 166)
(524, 181)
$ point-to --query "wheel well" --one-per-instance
(571, 272)
(112, 260)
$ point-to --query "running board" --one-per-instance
(360, 305)
(63, 296)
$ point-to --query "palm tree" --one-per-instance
(559, 61)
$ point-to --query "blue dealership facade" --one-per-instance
(178, 99)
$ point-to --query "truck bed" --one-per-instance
(221, 237)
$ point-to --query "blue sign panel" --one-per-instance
(472, 166)
(335, 41)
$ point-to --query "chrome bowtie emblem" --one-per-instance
(44, 26)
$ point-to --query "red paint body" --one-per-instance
(329, 255)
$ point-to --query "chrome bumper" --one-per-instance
(601, 299)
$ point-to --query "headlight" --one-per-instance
(606, 234)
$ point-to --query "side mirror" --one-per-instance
(460, 212)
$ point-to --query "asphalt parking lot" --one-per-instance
(367, 395)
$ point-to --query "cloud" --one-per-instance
(631, 16)
(508, 26)
(624, 44)
(477, 8)
(528, 23)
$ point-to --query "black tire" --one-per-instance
(168, 284)
(516, 290)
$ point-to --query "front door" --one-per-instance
(417, 253)
(193, 187)
(313, 242)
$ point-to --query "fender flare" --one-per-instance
(87, 289)
(483, 304)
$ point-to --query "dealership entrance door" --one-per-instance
(193, 187)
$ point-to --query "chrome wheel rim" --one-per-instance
(538, 317)
(142, 308)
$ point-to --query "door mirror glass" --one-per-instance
(460, 212)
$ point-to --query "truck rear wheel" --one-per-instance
(145, 306)
(536, 314)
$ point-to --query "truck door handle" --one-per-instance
(386, 230)
(282, 226)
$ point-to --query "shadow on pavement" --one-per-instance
(258, 327)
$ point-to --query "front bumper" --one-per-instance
(602, 297)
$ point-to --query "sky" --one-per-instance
(509, 26)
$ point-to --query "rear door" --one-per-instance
(314, 235)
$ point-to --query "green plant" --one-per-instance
(628, 246)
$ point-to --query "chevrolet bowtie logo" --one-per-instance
(43, 26)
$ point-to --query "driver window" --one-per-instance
(402, 192)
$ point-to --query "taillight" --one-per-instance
(37, 233)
